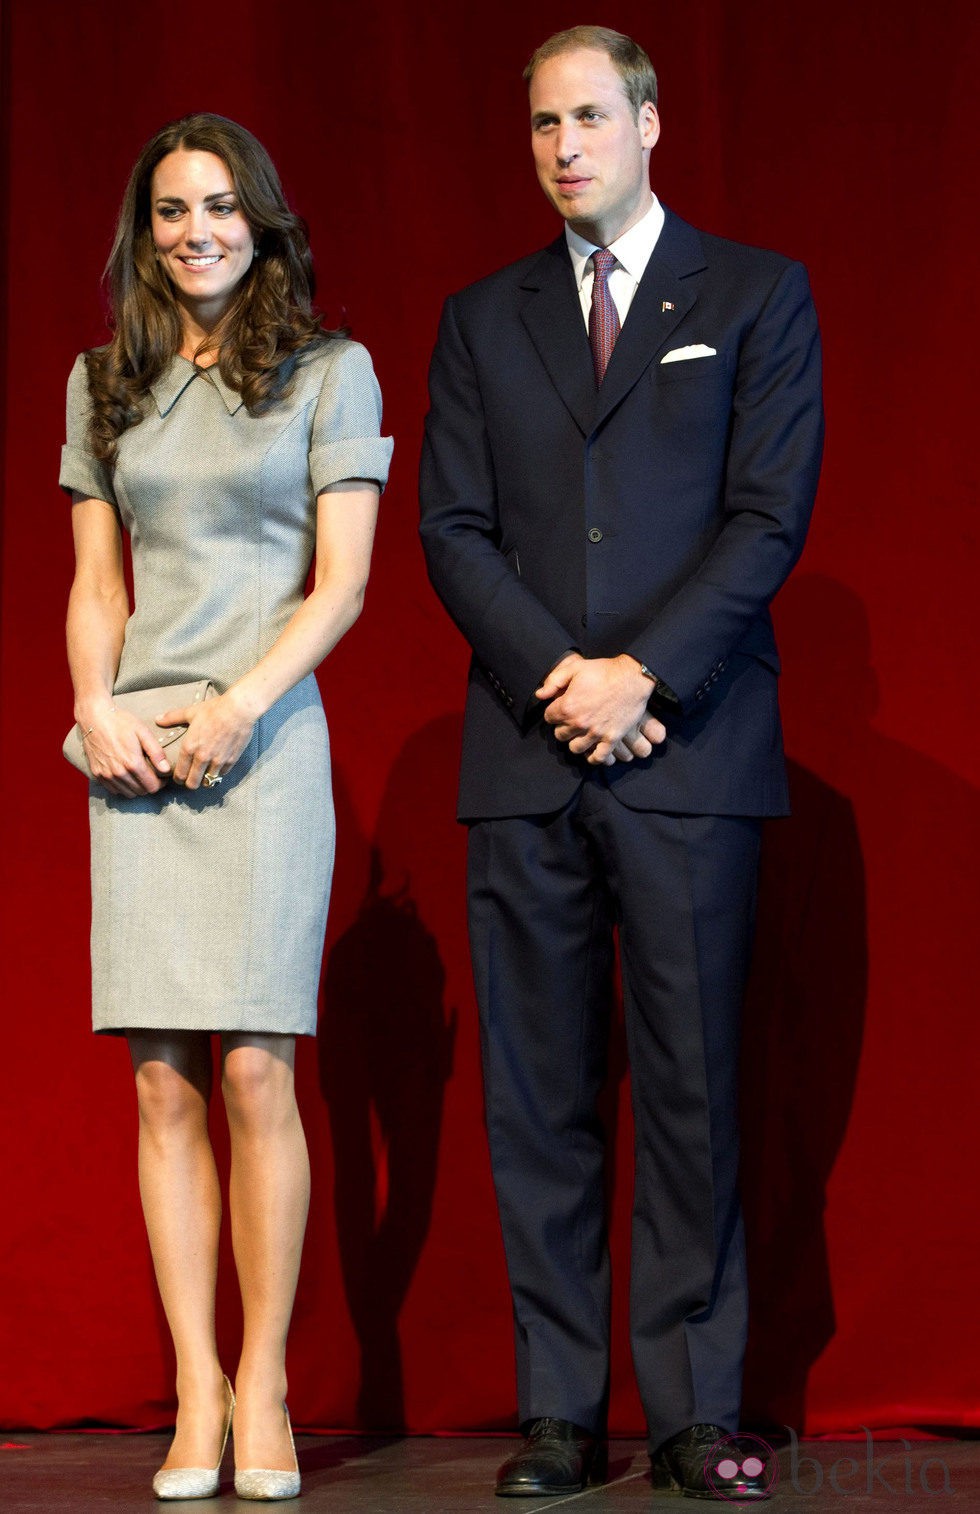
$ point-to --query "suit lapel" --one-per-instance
(666, 293)
(553, 318)
(552, 315)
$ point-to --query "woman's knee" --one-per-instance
(257, 1084)
(167, 1097)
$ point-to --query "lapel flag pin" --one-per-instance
(667, 305)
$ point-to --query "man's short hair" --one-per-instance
(626, 56)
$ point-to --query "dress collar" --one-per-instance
(172, 383)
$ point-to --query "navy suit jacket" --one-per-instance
(656, 515)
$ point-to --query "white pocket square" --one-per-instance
(681, 354)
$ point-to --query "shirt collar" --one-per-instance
(174, 380)
(632, 250)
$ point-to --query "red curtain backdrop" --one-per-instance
(840, 133)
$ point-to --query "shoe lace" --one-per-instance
(708, 1434)
(550, 1426)
(696, 1442)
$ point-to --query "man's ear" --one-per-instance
(649, 124)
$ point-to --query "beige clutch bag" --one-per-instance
(147, 703)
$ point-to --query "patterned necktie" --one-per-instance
(603, 317)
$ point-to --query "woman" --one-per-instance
(235, 440)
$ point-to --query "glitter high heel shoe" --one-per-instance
(263, 1483)
(195, 1482)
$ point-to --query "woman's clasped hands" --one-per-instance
(128, 759)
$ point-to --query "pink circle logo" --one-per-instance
(741, 1466)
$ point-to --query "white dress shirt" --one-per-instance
(632, 252)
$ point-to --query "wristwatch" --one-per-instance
(662, 696)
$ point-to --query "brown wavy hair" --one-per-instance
(270, 318)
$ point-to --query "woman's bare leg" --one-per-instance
(269, 1198)
(182, 1206)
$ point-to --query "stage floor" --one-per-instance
(48, 1474)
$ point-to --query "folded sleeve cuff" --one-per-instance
(85, 474)
(353, 457)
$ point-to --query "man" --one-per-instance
(619, 466)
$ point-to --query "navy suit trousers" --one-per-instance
(547, 895)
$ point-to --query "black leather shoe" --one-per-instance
(556, 1457)
(706, 1461)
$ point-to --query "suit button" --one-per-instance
(595, 534)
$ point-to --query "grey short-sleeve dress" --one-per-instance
(209, 907)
